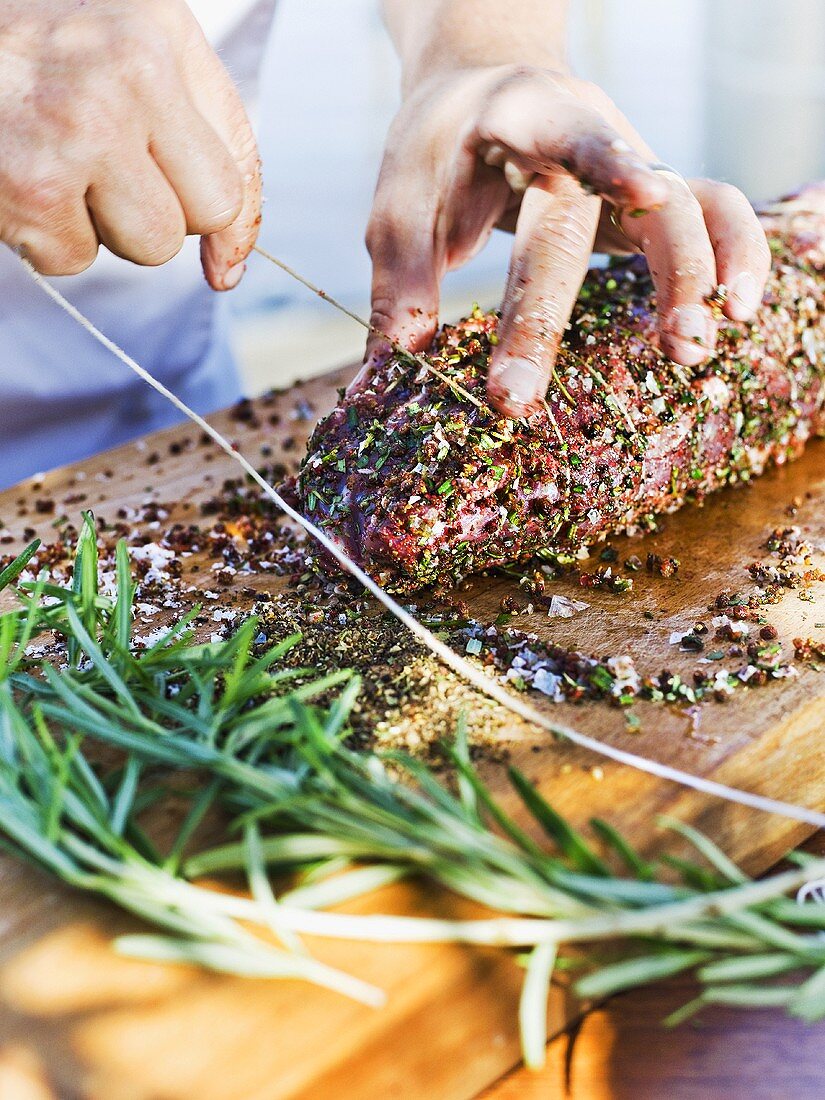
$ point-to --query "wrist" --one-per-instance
(443, 69)
(439, 38)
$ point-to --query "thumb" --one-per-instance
(223, 254)
(553, 242)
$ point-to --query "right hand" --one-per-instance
(121, 127)
(547, 156)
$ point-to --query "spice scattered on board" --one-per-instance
(224, 558)
(232, 553)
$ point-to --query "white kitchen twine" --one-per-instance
(812, 891)
(450, 658)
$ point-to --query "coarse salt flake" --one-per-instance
(561, 607)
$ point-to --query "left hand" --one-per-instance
(545, 155)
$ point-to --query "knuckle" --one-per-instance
(741, 224)
(44, 259)
(382, 235)
(491, 126)
(159, 249)
(174, 14)
(98, 132)
(222, 215)
(508, 79)
(501, 95)
(398, 233)
(588, 150)
(721, 192)
(519, 72)
(161, 238)
(183, 29)
(761, 249)
(725, 198)
(755, 240)
(45, 196)
(754, 249)
(246, 148)
(679, 189)
(382, 314)
(242, 145)
(148, 69)
(693, 271)
(540, 329)
(589, 92)
(689, 273)
(57, 257)
(145, 62)
(680, 198)
(79, 259)
(412, 325)
(728, 193)
(222, 210)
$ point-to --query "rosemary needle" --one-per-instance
(273, 742)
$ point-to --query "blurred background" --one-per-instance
(733, 89)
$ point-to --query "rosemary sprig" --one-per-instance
(266, 749)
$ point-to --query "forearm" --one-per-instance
(440, 35)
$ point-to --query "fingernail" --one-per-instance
(234, 276)
(744, 296)
(377, 354)
(518, 384)
(693, 329)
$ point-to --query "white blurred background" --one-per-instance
(733, 89)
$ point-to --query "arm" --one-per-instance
(495, 132)
(444, 35)
(121, 127)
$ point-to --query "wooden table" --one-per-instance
(80, 1022)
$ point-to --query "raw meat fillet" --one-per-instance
(423, 488)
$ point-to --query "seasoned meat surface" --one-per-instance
(422, 487)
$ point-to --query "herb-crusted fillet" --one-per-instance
(422, 487)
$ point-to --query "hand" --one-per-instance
(539, 152)
(121, 127)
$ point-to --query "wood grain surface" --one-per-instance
(621, 1052)
(92, 1025)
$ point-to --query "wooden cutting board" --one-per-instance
(106, 1028)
